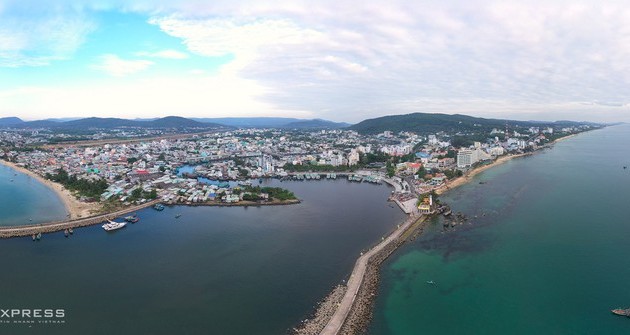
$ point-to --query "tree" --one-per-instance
(153, 194)
(391, 171)
(162, 169)
(421, 172)
(136, 193)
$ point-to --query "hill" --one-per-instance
(10, 121)
(316, 124)
(432, 123)
(111, 123)
(274, 122)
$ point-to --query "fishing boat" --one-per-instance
(33, 237)
(621, 312)
(158, 207)
(132, 218)
(111, 225)
(39, 236)
(71, 231)
(66, 233)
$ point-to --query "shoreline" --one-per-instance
(468, 176)
(51, 227)
(75, 208)
(357, 318)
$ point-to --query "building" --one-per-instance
(468, 157)
(426, 206)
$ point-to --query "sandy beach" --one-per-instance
(459, 181)
(76, 209)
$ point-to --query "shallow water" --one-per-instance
(24, 200)
(547, 253)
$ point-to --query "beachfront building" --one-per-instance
(467, 157)
(426, 206)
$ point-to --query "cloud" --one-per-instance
(186, 95)
(339, 60)
(166, 54)
(39, 40)
(118, 67)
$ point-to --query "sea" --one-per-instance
(24, 200)
(211, 270)
(546, 249)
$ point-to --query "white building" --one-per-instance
(468, 157)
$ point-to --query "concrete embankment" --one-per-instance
(325, 310)
(352, 313)
(239, 204)
(16, 231)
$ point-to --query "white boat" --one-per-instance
(114, 225)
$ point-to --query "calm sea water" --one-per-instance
(255, 270)
(24, 200)
(548, 253)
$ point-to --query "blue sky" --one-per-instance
(337, 60)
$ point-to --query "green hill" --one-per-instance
(424, 123)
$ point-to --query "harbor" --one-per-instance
(225, 264)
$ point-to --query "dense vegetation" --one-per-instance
(87, 188)
(274, 192)
(427, 123)
(139, 193)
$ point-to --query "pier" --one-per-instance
(27, 230)
(357, 281)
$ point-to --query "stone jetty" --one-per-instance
(27, 230)
(351, 313)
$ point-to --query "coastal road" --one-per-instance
(356, 279)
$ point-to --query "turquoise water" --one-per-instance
(214, 270)
(24, 200)
(548, 252)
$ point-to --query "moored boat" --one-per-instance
(112, 225)
(132, 218)
(39, 236)
(66, 233)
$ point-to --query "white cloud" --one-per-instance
(346, 61)
(373, 59)
(191, 96)
(118, 67)
(166, 54)
(46, 35)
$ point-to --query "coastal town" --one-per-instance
(226, 166)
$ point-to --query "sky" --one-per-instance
(337, 60)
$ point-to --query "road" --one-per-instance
(356, 279)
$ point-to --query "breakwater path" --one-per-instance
(16, 231)
(337, 321)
